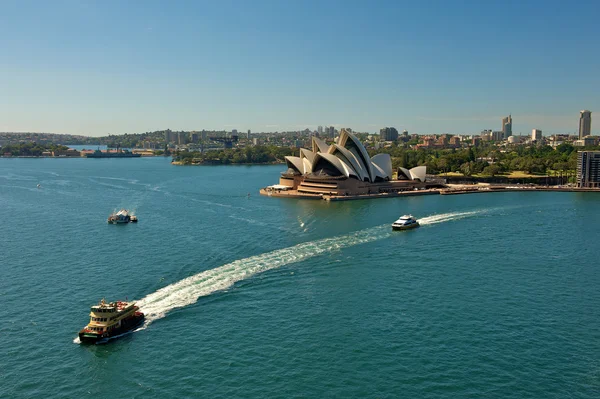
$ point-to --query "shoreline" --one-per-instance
(433, 191)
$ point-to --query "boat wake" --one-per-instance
(187, 291)
(446, 217)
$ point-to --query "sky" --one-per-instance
(112, 67)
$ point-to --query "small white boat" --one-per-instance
(405, 222)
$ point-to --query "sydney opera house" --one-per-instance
(343, 168)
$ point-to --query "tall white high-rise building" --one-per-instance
(320, 131)
(536, 135)
(507, 127)
(585, 123)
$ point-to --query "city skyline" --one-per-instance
(110, 68)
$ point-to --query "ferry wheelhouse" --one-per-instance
(109, 319)
(405, 222)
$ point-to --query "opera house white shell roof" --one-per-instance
(349, 158)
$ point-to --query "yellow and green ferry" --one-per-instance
(111, 319)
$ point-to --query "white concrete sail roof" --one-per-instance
(352, 160)
(295, 163)
(307, 165)
(304, 153)
(418, 173)
(405, 174)
(319, 145)
(383, 162)
(352, 144)
(340, 165)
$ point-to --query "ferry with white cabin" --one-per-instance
(405, 222)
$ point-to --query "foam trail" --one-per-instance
(445, 217)
(188, 290)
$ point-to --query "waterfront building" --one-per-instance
(388, 134)
(588, 169)
(344, 168)
(585, 123)
(507, 127)
(536, 135)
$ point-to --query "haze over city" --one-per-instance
(97, 68)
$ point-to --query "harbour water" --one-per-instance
(494, 296)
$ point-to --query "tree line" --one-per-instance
(30, 149)
(487, 160)
(247, 155)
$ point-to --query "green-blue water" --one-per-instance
(496, 295)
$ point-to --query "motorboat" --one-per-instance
(405, 222)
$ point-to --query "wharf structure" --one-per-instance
(343, 169)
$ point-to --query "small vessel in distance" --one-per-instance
(108, 320)
(122, 217)
(405, 222)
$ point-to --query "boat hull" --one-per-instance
(128, 324)
(409, 227)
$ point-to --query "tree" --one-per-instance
(491, 170)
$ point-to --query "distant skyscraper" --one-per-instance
(320, 131)
(182, 138)
(388, 134)
(585, 123)
(248, 137)
(507, 127)
(168, 136)
(536, 135)
(331, 132)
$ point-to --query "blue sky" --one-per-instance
(103, 67)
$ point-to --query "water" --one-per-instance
(496, 295)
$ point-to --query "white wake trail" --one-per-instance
(187, 291)
(446, 217)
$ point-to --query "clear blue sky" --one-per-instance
(99, 67)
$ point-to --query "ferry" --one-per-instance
(405, 222)
(108, 320)
(122, 217)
